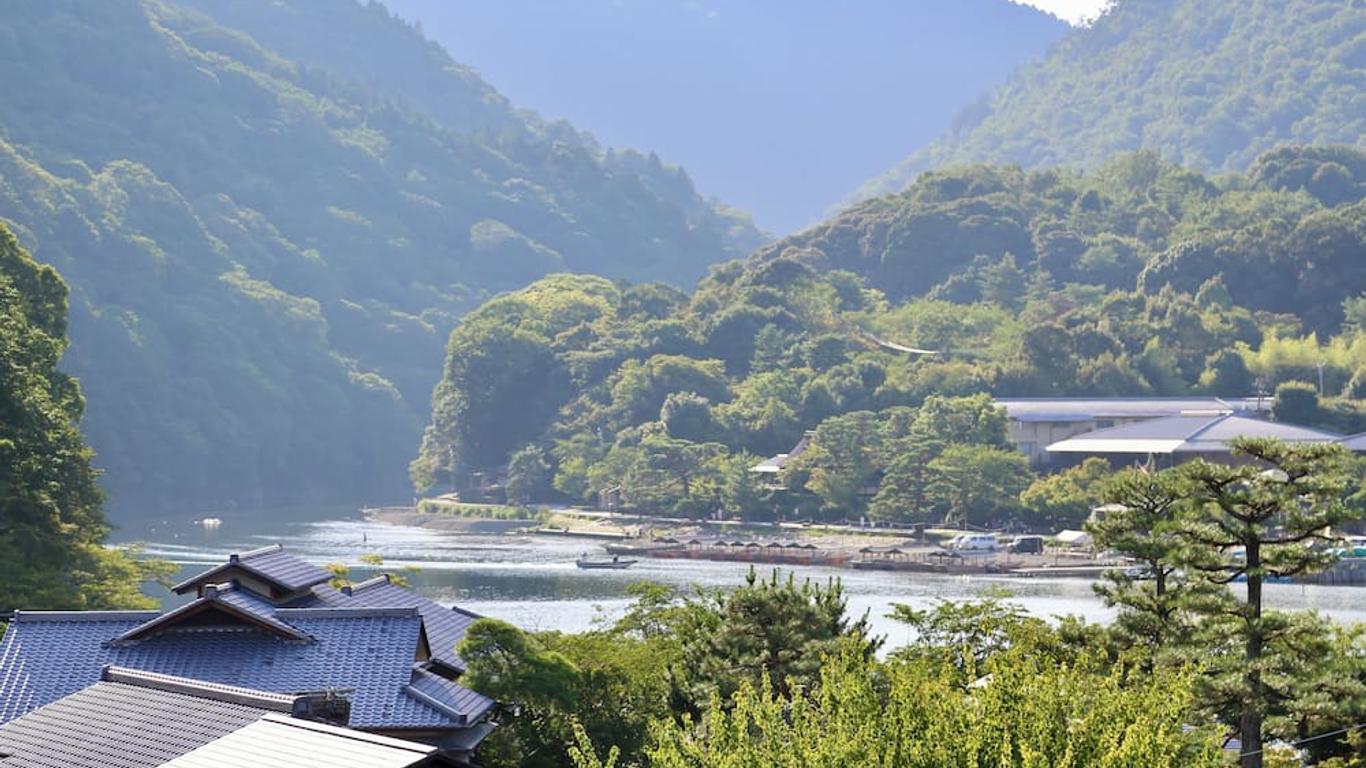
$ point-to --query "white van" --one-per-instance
(976, 542)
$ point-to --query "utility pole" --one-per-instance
(1320, 365)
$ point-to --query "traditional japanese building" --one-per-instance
(133, 719)
(268, 621)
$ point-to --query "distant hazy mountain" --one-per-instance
(270, 219)
(776, 106)
(1207, 83)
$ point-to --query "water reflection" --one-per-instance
(532, 581)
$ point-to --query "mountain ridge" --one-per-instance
(1207, 85)
(265, 258)
(775, 107)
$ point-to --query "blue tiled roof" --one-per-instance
(116, 725)
(270, 564)
(465, 705)
(446, 627)
(45, 656)
(240, 603)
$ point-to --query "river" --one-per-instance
(533, 582)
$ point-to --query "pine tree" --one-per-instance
(1269, 517)
(1158, 603)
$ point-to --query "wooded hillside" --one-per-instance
(268, 238)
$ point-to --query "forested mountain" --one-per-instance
(777, 106)
(1141, 278)
(269, 236)
(51, 526)
(1287, 237)
(1207, 84)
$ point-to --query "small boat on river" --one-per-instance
(615, 564)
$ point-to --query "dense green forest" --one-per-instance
(51, 524)
(776, 673)
(1210, 85)
(269, 238)
(1140, 278)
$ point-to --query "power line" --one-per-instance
(1308, 739)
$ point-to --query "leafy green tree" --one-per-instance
(662, 473)
(574, 459)
(529, 474)
(640, 389)
(771, 349)
(687, 416)
(1064, 499)
(1226, 374)
(974, 419)
(544, 685)
(769, 628)
(968, 634)
(1297, 402)
(843, 456)
(976, 484)
(1029, 712)
(742, 495)
(52, 528)
(905, 495)
(1257, 521)
(1003, 283)
(501, 387)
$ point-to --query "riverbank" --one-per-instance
(532, 581)
(785, 544)
(790, 544)
(413, 517)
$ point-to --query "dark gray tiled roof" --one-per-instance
(445, 627)
(459, 702)
(271, 564)
(227, 598)
(120, 725)
(367, 651)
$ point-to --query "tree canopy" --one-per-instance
(1008, 283)
(267, 256)
(1211, 86)
(52, 528)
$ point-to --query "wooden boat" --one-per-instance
(615, 564)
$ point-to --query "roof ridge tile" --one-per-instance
(346, 612)
(234, 694)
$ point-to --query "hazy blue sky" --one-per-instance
(1073, 11)
(780, 107)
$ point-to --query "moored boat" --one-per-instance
(615, 564)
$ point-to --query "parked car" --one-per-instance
(1027, 545)
(976, 542)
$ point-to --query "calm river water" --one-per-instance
(533, 583)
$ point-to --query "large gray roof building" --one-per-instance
(1186, 434)
(1038, 422)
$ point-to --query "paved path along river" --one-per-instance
(532, 581)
